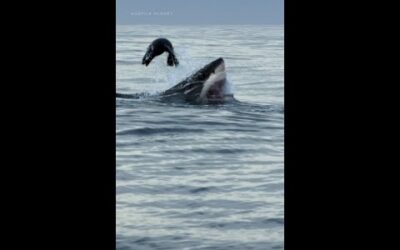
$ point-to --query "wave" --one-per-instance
(124, 62)
(148, 131)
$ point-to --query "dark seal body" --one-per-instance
(156, 48)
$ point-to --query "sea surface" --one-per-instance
(201, 176)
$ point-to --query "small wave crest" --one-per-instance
(148, 131)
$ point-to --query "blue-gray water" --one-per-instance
(201, 176)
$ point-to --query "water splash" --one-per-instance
(229, 88)
(165, 77)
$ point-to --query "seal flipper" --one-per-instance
(171, 60)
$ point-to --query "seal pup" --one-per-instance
(156, 48)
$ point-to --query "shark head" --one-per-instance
(207, 85)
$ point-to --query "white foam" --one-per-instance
(165, 77)
(229, 88)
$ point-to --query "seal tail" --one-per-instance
(171, 61)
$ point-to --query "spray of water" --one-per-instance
(165, 77)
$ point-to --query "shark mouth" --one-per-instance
(207, 85)
(214, 87)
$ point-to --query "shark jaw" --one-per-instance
(206, 86)
(214, 88)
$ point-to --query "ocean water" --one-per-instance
(201, 176)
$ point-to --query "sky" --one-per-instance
(192, 12)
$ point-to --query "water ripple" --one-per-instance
(150, 131)
(200, 176)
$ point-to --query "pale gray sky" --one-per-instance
(200, 12)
